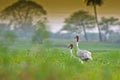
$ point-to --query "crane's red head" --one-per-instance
(71, 46)
(77, 38)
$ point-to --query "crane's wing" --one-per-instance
(84, 54)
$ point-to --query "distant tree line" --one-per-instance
(27, 19)
(82, 22)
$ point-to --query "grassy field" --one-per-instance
(52, 61)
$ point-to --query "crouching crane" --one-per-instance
(71, 53)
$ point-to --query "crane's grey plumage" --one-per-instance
(82, 54)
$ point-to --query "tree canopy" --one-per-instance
(23, 12)
(94, 2)
(80, 20)
(106, 24)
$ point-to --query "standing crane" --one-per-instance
(84, 55)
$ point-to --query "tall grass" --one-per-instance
(38, 62)
(56, 64)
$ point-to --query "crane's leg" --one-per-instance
(80, 60)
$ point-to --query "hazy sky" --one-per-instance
(58, 10)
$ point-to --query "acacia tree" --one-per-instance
(106, 24)
(22, 13)
(94, 3)
(80, 19)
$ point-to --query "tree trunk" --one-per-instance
(99, 30)
(85, 33)
(107, 33)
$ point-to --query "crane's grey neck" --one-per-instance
(77, 44)
(71, 53)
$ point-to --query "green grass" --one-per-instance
(55, 63)
(26, 44)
